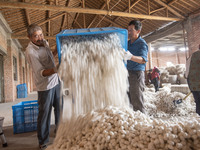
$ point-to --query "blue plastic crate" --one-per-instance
(25, 116)
(22, 87)
(22, 94)
(122, 33)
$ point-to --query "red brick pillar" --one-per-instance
(8, 74)
(193, 32)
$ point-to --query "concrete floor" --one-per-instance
(21, 141)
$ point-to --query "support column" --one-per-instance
(193, 31)
(8, 74)
(150, 56)
(157, 60)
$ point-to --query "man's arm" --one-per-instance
(48, 72)
(129, 56)
(138, 59)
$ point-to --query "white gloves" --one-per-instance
(127, 55)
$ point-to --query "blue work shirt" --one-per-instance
(138, 48)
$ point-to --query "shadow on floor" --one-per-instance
(23, 141)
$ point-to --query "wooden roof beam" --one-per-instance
(49, 22)
(64, 21)
(43, 22)
(129, 8)
(75, 20)
(13, 36)
(169, 8)
(133, 4)
(102, 7)
(110, 21)
(148, 7)
(27, 17)
(159, 9)
(27, 14)
(83, 6)
(81, 10)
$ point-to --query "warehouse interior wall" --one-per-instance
(13, 64)
(192, 28)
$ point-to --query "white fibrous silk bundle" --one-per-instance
(93, 70)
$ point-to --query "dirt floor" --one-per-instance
(20, 141)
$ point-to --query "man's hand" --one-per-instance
(55, 70)
(55, 52)
(127, 55)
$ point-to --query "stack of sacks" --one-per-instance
(173, 74)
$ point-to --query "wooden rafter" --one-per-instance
(49, 22)
(83, 6)
(134, 4)
(148, 7)
(159, 9)
(27, 17)
(75, 20)
(156, 10)
(67, 3)
(13, 36)
(102, 18)
(102, 7)
(56, 2)
(108, 4)
(169, 8)
(110, 21)
(27, 14)
(100, 21)
(65, 17)
(81, 10)
(129, 5)
(63, 21)
(128, 9)
(41, 23)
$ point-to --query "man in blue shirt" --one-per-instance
(136, 61)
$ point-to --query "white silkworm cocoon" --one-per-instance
(153, 135)
(107, 138)
(179, 145)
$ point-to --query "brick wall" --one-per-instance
(10, 48)
(15, 53)
(193, 31)
(160, 59)
(3, 39)
(8, 75)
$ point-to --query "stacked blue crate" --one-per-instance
(22, 91)
(122, 34)
(25, 116)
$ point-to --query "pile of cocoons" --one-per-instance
(99, 116)
(116, 128)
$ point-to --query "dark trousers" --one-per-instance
(155, 82)
(196, 95)
(47, 99)
(136, 89)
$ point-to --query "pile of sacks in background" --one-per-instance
(173, 74)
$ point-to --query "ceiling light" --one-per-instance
(167, 49)
(183, 48)
(163, 48)
(152, 48)
(171, 49)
